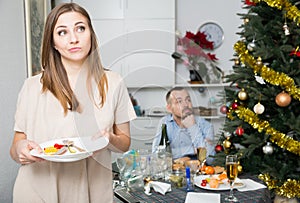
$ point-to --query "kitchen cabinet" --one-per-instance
(142, 133)
(137, 38)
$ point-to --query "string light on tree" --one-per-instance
(236, 61)
(259, 62)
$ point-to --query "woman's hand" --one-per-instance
(119, 137)
(21, 147)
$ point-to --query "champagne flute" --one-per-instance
(232, 171)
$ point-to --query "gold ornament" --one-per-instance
(246, 20)
(243, 94)
(283, 99)
(259, 108)
(226, 144)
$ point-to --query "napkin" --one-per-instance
(159, 187)
(251, 185)
(194, 197)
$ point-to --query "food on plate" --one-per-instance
(214, 183)
(177, 166)
(219, 169)
(222, 176)
(182, 160)
(209, 170)
(50, 150)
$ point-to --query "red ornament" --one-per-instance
(239, 131)
(250, 2)
(234, 105)
(224, 109)
(219, 148)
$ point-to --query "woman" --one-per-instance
(73, 96)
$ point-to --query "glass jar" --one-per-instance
(177, 178)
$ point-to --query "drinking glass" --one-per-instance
(232, 172)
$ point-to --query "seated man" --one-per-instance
(186, 132)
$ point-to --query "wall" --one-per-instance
(12, 75)
(190, 15)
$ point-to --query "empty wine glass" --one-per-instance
(232, 172)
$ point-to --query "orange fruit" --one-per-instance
(203, 168)
(209, 170)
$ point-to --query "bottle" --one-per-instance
(189, 182)
(164, 141)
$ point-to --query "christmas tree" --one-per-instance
(262, 103)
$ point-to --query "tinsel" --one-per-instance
(268, 74)
(290, 188)
(279, 138)
(292, 11)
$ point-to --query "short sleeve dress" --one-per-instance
(40, 116)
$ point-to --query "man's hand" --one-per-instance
(188, 121)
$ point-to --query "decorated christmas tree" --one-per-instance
(262, 104)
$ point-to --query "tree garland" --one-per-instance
(290, 188)
(292, 11)
(268, 74)
(279, 138)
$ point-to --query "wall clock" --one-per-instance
(214, 33)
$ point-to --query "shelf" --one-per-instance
(203, 85)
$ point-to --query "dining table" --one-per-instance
(178, 195)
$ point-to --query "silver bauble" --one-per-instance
(268, 149)
(251, 46)
(259, 108)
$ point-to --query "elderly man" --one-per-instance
(185, 131)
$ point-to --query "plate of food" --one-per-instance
(69, 149)
(216, 182)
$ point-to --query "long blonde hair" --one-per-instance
(54, 76)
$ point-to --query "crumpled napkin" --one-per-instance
(195, 197)
(251, 185)
(159, 187)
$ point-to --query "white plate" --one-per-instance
(224, 186)
(83, 142)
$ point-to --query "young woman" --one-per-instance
(73, 96)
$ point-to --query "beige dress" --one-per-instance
(40, 116)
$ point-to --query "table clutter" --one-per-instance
(155, 177)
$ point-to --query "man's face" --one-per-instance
(180, 104)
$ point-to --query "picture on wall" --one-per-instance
(35, 15)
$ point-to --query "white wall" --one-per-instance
(12, 75)
(190, 15)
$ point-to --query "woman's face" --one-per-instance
(72, 37)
